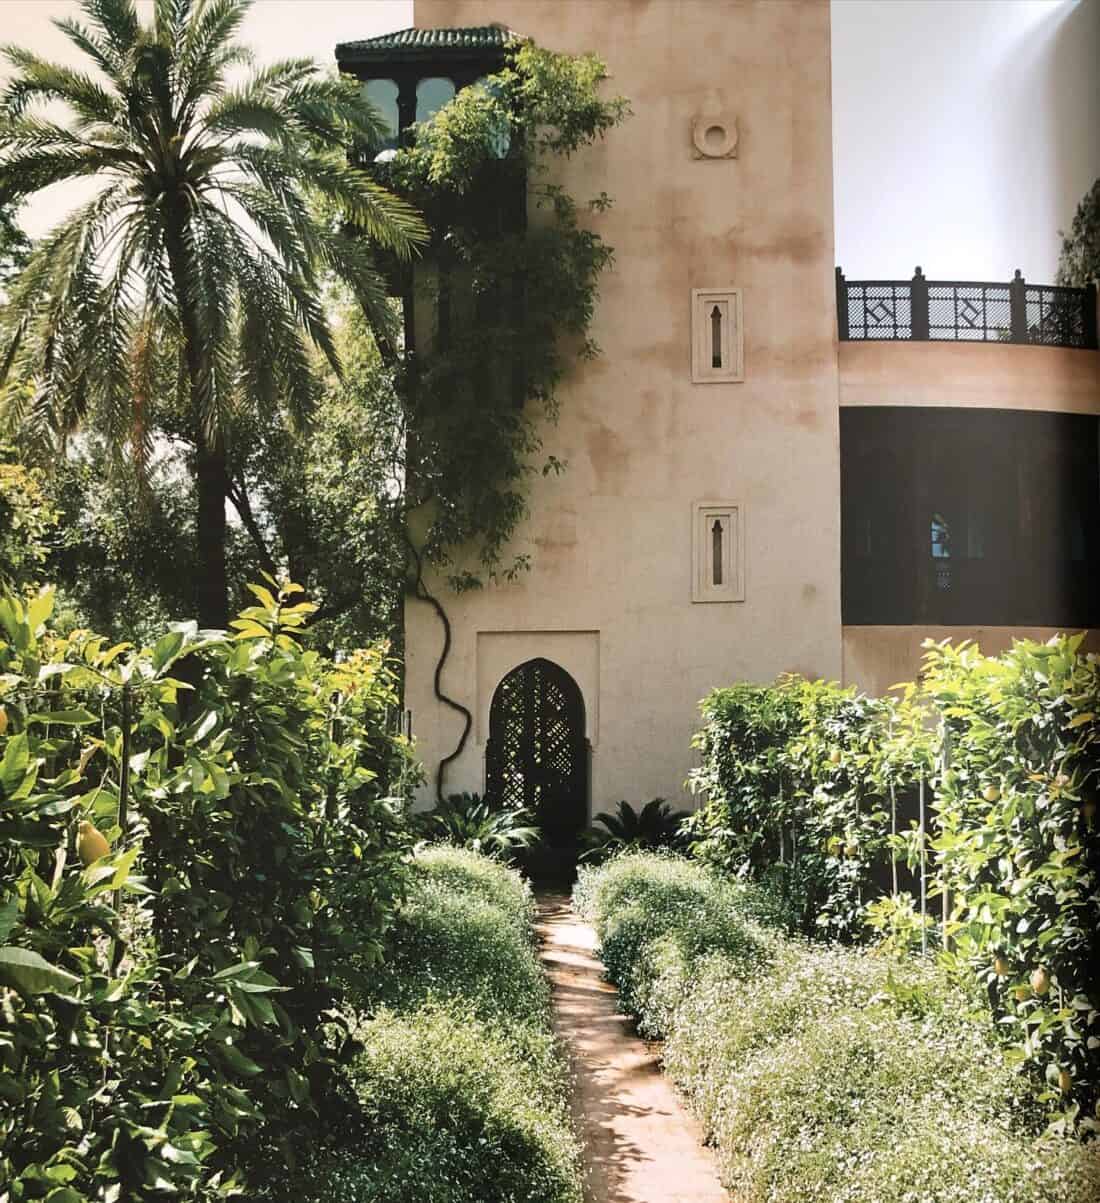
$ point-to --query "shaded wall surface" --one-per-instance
(610, 591)
(965, 376)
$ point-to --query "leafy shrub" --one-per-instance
(469, 872)
(798, 777)
(471, 821)
(449, 944)
(829, 1073)
(727, 1016)
(820, 1114)
(27, 522)
(650, 910)
(171, 1030)
(1017, 849)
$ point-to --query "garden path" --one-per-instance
(641, 1146)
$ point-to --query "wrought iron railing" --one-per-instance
(957, 311)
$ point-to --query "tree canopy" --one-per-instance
(1079, 263)
(188, 291)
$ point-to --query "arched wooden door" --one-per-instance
(537, 755)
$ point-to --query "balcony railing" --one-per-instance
(956, 311)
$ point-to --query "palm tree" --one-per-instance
(204, 242)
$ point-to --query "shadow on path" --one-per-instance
(641, 1146)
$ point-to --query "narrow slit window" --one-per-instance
(717, 346)
(717, 552)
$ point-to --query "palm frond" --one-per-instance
(118, 21)
(39, 79)
(100, 52)
(390, 221)
(206, 51)
(25, 172)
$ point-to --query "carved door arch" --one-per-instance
(537, 754)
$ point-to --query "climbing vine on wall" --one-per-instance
(502, 302)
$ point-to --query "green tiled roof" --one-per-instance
(407, 43)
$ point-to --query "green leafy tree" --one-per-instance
(27, 522)
(324, 503)
(1079, 262)
(179, 897)
(201, 249)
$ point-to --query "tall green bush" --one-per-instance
(1017, 850)
(797, 779)
(165, 1010)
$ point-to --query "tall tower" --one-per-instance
(693, 539)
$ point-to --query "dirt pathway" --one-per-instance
(641, 1146)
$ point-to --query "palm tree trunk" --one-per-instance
(212, 479)
(211, 461)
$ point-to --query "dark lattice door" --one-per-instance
(537, 756)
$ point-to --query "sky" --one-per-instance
(964, 131)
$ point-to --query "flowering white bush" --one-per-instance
(823, 1073)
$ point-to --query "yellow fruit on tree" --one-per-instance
(991, 793)
(1001, 967)
(90, 844)
(1023, 993)
(834, 756)
(1065, 1081)
(3, 720)
(1040, 980)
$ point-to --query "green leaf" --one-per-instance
(9, 916)
(166, 649)
(266, 597)
(13, 768)
(77, 717)
(242, 969)
(39, 609)
(238, 1061)
(302, 957)
(31, 974)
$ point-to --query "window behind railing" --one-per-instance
(970, 517)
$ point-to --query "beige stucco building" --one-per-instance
(756, 483)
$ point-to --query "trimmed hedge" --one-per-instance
(462, 936)
(462, 1087)
(822, 1072)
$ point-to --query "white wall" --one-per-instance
(965, 132)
